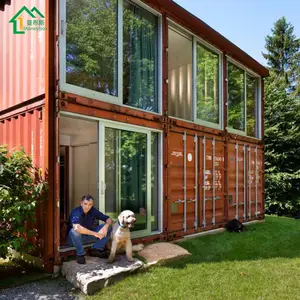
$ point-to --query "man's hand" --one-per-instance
(99, 235)
(102, 232)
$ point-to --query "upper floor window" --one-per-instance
(191, 61)
(110, 52)
(243, 98)
(180, 70)
(208, 85)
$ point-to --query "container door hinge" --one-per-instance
(57, 204)
(58, 159)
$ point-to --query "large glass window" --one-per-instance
(110, 52)
(180, 74)
(91, 45)
(208, 85)
(252, 96)
(236, 98)
(139, 58)
(243, 93)
(126, 176)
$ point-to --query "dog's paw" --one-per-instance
(111, 260)
(130, 259)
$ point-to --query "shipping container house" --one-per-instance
(138, 103)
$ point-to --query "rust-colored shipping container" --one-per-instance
(15, 131)
(22, 59)
(174, 145)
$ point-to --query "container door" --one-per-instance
(212, 181)
(255, 200)
(237, 181)
(182, 182)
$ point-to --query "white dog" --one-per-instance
(120, 235)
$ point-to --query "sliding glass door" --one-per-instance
(129, 174)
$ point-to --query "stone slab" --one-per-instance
(97, 273)
(161, 252)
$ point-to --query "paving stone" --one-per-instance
(161, 252)
(97, 273)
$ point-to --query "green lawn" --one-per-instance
(262, 263)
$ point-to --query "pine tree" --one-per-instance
(282, 121)
(283, 53)
(282, 148)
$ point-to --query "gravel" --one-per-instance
(57, 289)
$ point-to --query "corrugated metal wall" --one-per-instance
(245, 184)
(195, 181)
(203, 192)
(22, 58)
(26, 130)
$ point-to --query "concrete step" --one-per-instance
(97, 273)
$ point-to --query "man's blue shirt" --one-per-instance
(86, 220)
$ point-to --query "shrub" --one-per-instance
(21, 189)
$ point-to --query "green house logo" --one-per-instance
(26, 19)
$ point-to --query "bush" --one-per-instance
(21, 189)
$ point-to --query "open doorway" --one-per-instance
(78, 166)
(118, 164)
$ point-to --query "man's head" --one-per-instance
(86, 203)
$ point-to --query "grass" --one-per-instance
(262, 263)
(14, 273)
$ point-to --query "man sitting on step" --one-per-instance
(81, 230)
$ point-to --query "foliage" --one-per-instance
(282, 148)
(21, 189)
(282, 126)
(283, 54)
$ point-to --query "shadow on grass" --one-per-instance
(276, 237)
(15, 273)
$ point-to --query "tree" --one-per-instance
(283, 53)
(282, 148)
(282, 126)
(21, 189)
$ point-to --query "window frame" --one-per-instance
(67, 87)
(247, 72)
(195, 39)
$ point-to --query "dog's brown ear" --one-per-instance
(121, 219)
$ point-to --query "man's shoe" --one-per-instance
(99, 253)
(80, 259)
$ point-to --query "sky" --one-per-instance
(245, 23)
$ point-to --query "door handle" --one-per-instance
(179, 201)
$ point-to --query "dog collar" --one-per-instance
(120, 224)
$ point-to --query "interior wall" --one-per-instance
(180, 75)
(82, 138)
